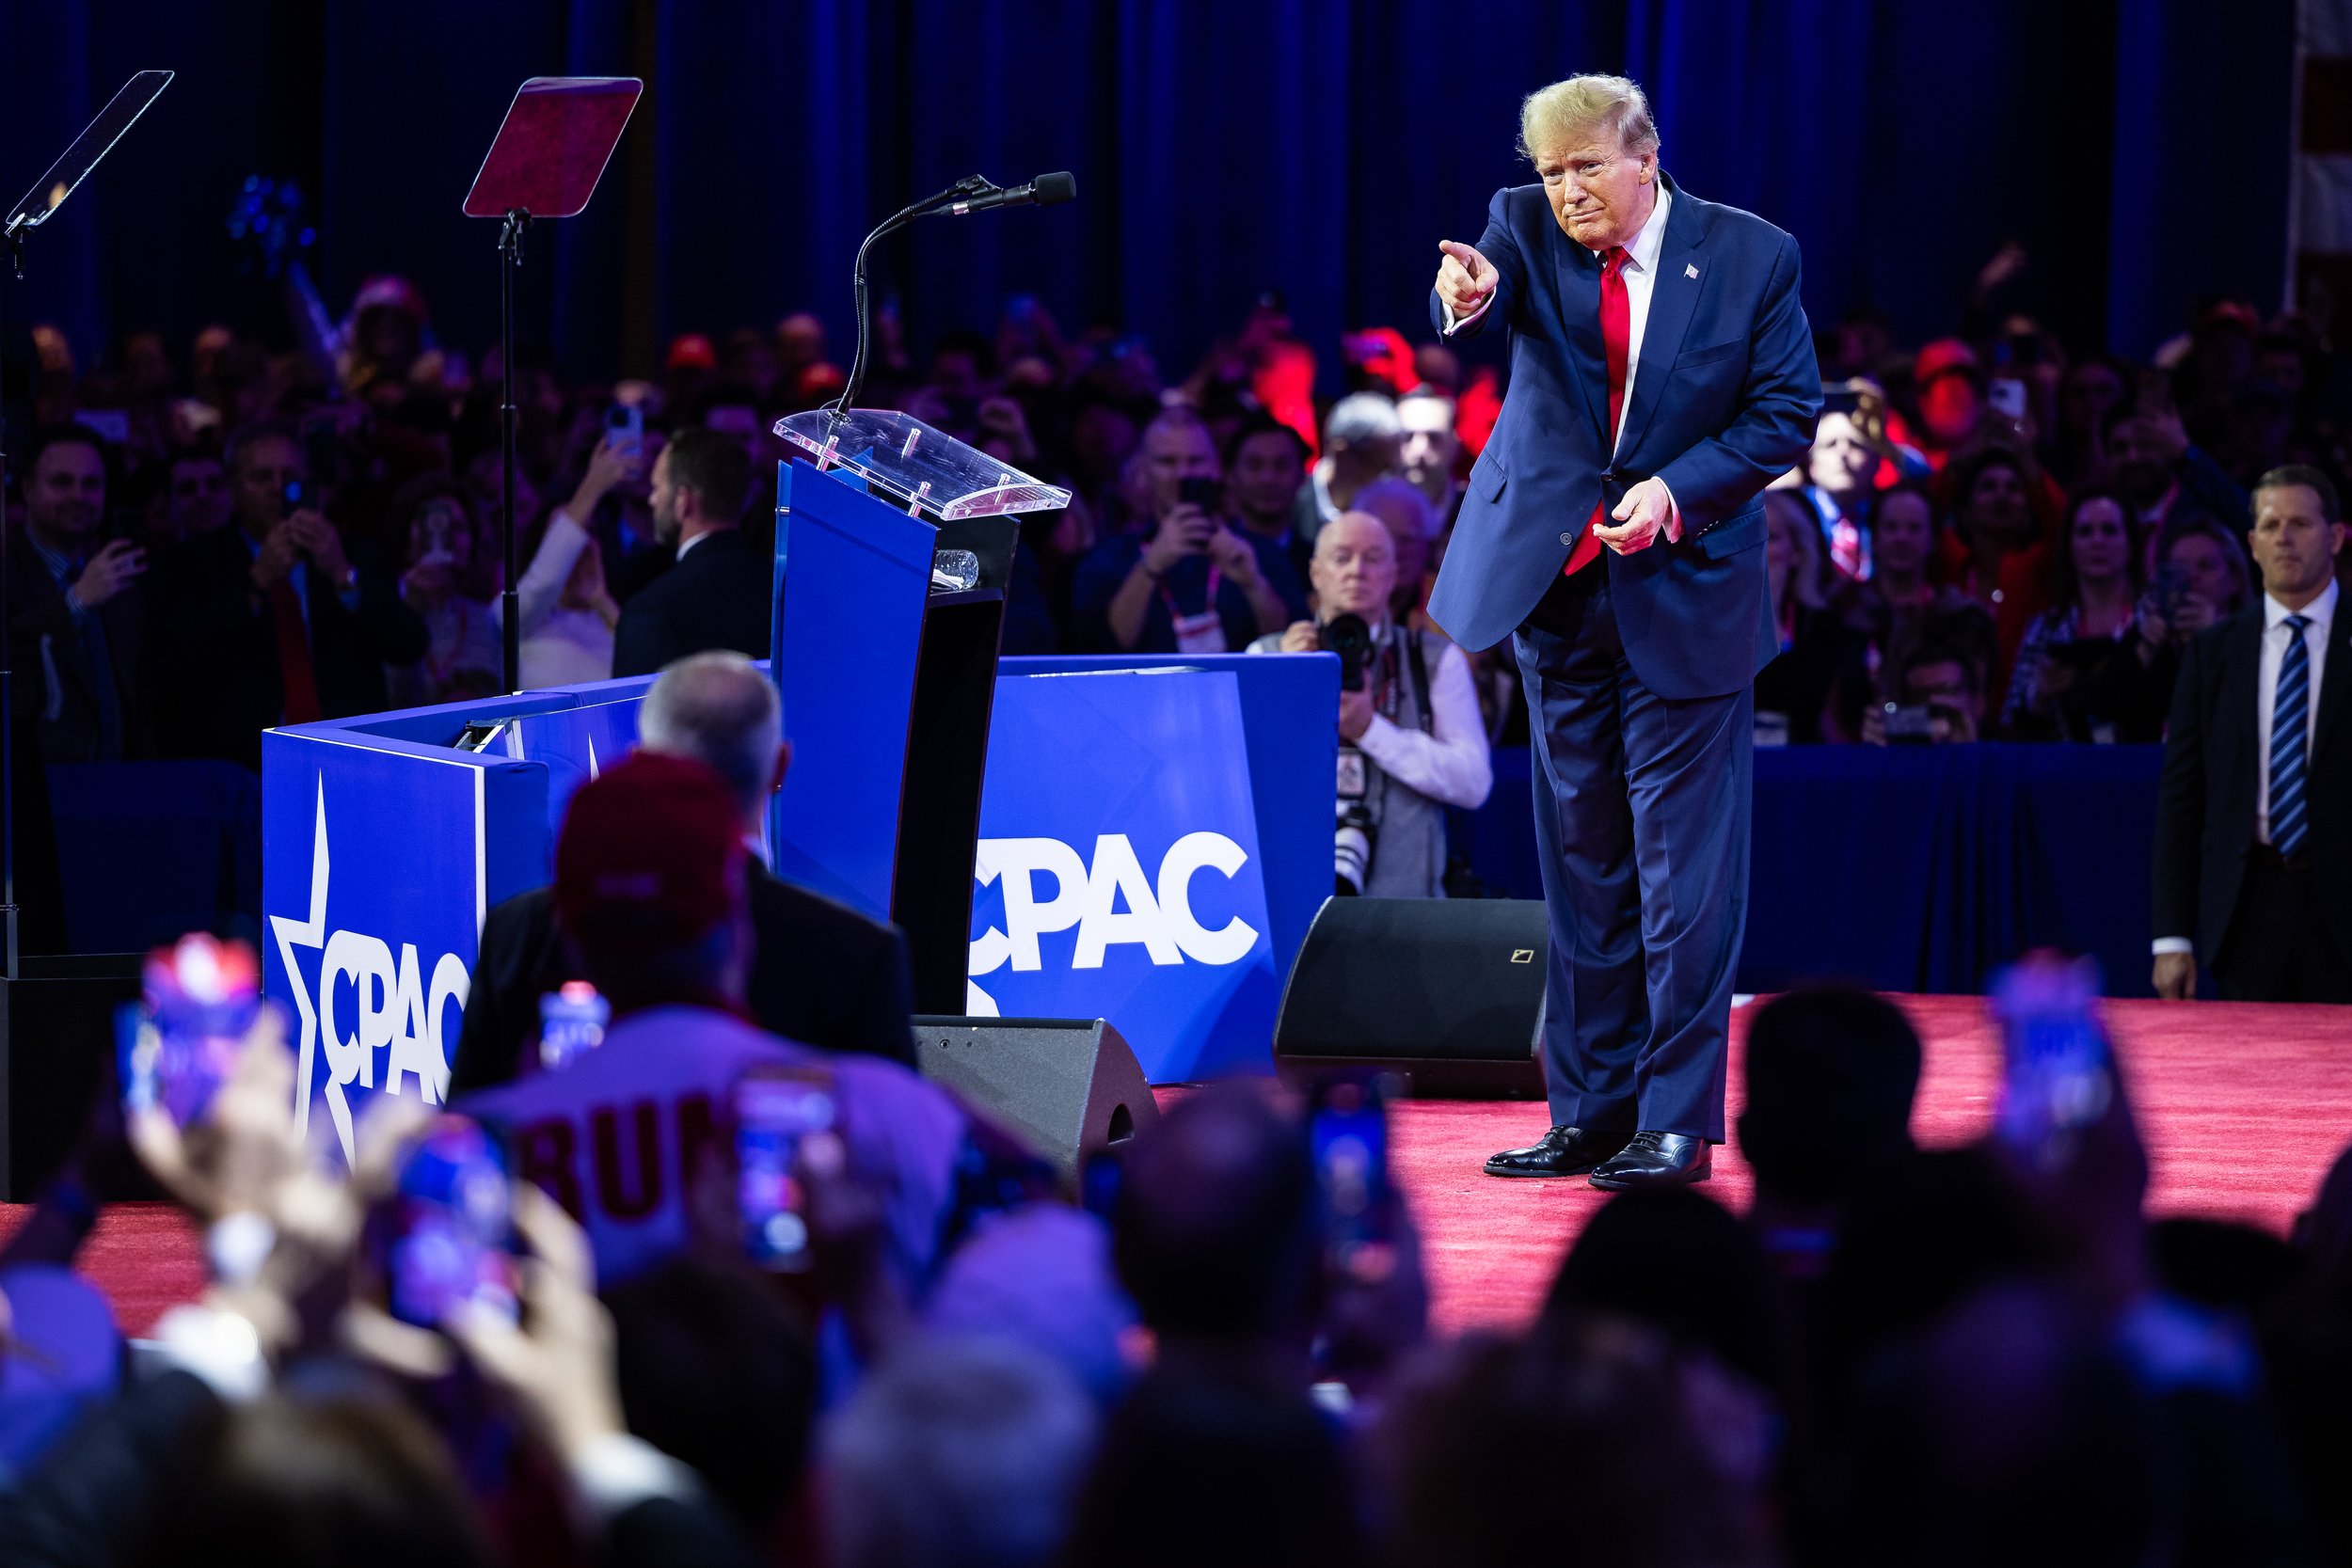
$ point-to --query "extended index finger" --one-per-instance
(1467, 255)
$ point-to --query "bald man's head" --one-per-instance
(1354, 570)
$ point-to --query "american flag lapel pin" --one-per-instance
(1691, 269)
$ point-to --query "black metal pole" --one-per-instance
(509, 257)
(14, 239)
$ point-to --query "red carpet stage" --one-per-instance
(2245, 1106)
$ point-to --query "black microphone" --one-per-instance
(1046, 190)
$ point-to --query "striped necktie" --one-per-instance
(2290, 750)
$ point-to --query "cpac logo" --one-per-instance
(1157, 916)
(391, 1010)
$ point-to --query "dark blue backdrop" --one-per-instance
(1221, 147)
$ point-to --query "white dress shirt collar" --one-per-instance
(1642, 255)
(2320, 611)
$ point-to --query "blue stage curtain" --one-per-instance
(1222, 148)
(1912, 868)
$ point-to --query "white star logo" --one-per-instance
(394, 1011)
(310, 933)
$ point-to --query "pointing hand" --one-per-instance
(1466, 280)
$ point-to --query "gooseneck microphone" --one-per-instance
(972, 194)
(1046, 190)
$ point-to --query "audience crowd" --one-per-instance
(1209, 1343)
(1994, 537)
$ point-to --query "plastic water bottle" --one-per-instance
(954, 571)
(571, 1021)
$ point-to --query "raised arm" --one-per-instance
(1478, 284)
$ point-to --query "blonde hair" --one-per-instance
(1566, 111)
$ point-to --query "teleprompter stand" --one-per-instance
(545, 162)
(57, 1024)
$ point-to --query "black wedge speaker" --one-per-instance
(1069, 1086)
(1448, 993)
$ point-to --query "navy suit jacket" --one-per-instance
(1724, 403)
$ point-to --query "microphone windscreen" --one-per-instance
(1052, 188)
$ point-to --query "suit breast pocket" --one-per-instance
(1712, 354)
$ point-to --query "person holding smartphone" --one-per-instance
(1189, 584)
(277, 620)
(652, 896)
(76, 611)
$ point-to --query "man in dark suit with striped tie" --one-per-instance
(2254, 823)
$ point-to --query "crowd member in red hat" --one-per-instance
(1948, 386)
(689, 369)
(650, 877)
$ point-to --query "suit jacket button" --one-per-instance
(1567, 539)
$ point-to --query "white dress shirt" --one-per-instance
(1448, 762)
(2321, 613)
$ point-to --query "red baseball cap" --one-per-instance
(691, 351)
(1942, 358)
(651, 856)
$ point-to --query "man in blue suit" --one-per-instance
(1662, 374)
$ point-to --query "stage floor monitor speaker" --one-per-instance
(1070, 1085)
(57, 1039)
(1448, 993)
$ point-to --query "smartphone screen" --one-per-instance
(2059, 1068)
(177, 1045)
(774, 1110)
(624, 429)
(1205, 493)
(1098, 1183)
(2007, 397)
(1347, 1133)
(446, 1233)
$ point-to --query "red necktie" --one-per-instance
(295, 677)
(1616, 334)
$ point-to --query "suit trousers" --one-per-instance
(2279, 947)
(1642, 820)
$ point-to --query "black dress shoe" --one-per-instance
(1562, 1152)
(1656, 1160)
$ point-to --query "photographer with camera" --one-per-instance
(1411, 739)
(1935, 703)
(1189, 584)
